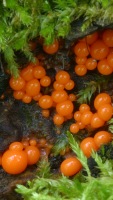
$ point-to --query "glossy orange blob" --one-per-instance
(101, 99)
(91, 64)
(64, 108)
(52, 48)
(72, 97)
(58, 119)
(105, 112)
(58, 86)
(91, 38)
(26, 98)
(17, 83)
(87, 145)
(96, 121)
(77, 116)
(80, 60)
(33, 87)
(69, 85)
(86, 117)
(62, 77)
(45, 113)
(108, 37)
(59, 96)
(45, 81)
(84, 107)
(74, 128)
(45, 101)
(18, 94)
(33, 142)
(27, 73)
(14, 161)
(80, 70)
(81, 49)
(99, 50)
(81, 125)
(70, 166)
(33, 154)
(39, 72)
(104, 68)
(102, 137)
(18, 146)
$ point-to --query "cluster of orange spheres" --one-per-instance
(71, 165)
(95, 51)
(90, 144)
(17, 157)
(85, 117)
(63, 102)
(27, 87)
(59, 97)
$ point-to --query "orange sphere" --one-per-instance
(14, 161)
(64, 108)
(33, 87)
(70, 166)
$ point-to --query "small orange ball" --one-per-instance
(27, 73)
(70, 166)
(45, 113)
(96, 121)
(102, 137)
(18, 146)
(62, 77)
(17, 83)
(33, 142)
(33, 87)
(39, 72)
(45, 81)
(26, 98)
(58, 119)
(45, 101)
(87, 145)
(52, 48)
(74, 128)
(64, 108)
(80, 70)
(18, 94)
(69, 85)
(33, 154)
